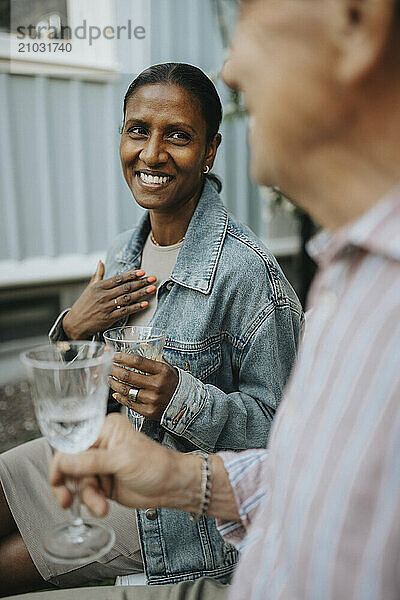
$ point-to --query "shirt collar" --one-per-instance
(376, 231)
(199, 255)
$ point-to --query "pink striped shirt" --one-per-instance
(321, 507)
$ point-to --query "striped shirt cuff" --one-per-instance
(245, 472)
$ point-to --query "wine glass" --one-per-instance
(70, 391)
(145, 341)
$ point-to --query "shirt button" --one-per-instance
(151, 514)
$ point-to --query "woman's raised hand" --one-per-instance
(155, 384)
(105, 301)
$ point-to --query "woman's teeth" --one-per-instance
(154, 179)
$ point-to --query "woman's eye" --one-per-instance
(137, 131)
(180, 136)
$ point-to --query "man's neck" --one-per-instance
(347, 186)
(344, 179)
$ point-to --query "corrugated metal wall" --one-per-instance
(61, 185)
(57, 166)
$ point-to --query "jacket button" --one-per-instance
(151, 514)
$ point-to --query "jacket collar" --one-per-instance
(199, 255)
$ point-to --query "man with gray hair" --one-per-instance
(316, 515)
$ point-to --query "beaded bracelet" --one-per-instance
(205, 487)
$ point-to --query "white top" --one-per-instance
(158, 261)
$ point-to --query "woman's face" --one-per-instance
(163, 147)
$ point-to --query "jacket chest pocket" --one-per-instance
(201, 359)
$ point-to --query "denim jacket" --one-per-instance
(233, 323)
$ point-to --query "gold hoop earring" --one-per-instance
(206, 169)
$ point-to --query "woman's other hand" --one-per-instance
(104, 302)
(156, 384)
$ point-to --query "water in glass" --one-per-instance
(145, 341)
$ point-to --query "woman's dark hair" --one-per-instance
(193, 80)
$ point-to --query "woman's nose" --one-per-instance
(153, 152)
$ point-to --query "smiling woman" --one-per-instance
(164, 157)
(232, 323)
(188, 92)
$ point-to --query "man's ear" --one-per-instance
(361, 30)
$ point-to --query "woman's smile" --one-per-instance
(153, 180)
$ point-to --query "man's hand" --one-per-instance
(156, 384)
(103, 302)
(127, 466)
(124, 465)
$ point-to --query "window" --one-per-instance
(50, 15)
(62, 38)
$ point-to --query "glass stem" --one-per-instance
(77, 527)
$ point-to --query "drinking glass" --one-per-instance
(70, 391)
(145, 341)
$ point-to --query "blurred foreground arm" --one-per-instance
(127, 466)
